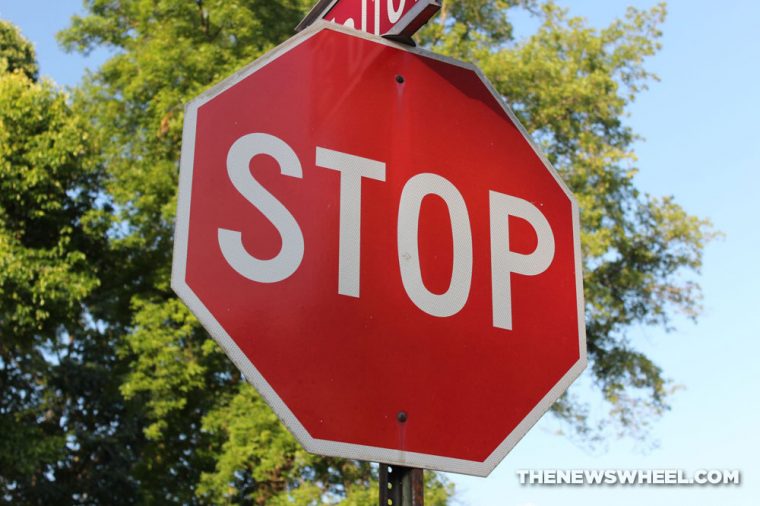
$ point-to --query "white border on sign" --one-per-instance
(321, 446)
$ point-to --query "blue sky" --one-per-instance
(701, 145)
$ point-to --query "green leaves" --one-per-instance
(49, 183)
(166, 360)
(45, 192)
(16, 53)
(259, 459)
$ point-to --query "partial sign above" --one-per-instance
(379, 247)
(389, 18)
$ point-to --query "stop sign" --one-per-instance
(376, 244)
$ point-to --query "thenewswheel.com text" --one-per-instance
(611, 477)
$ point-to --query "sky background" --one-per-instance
(701, 145)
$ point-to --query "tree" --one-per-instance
(50, 230)
(16, 53)
(129, 400)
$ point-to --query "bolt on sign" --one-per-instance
(375, 242)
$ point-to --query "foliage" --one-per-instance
(113, 393)
(16, 53)
(48, 233)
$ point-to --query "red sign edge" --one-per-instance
(251, 373)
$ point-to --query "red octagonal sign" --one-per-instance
(374, 241)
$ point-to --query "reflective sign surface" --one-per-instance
(381, 251)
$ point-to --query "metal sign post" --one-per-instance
(401, 486)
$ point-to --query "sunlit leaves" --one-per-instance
(48, 191)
